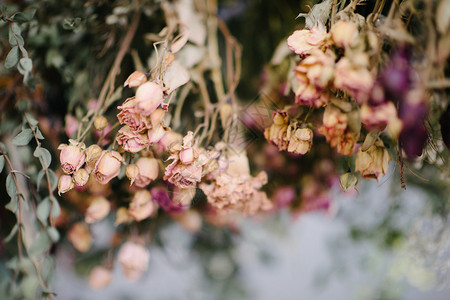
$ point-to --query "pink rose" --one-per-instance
(71, 158)
(304, 40)
(156, 134)
(148, 97)
(80, 237)
(98, 209)
(134, 260)
(128, 116)
(107, 166)
(148, 171)
(131, 141)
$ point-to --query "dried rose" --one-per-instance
(148, 97)
(128, 116)
(304, 40)
(344, 33)
(374, 162)
(71, 158)
(65, 184)
(81, 177)
(99, 277)
(132, 141)
(135, 79)
(80, 237)
(148, 171)
(98, 209)
(107, 166)
(141, 206)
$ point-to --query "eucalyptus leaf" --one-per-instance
(2, 163)
(14, 38)
(53, 179)
(39, 134)
(41, 244)
(56, 208)
(29, 286)
(43, 210)
(25, 65)
(12, 233)
(31, 119)
(11, 188)
(44, 156)
(25, 16)
(39, 178)
(13, 57)
(13, 204)
(53, 234)
(23, 138)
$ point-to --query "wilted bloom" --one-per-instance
(134, 259)
(170, 138)
(65, 184)
(148, 171)
(354, 77)
(128, 116)
(108, 166)
(187, 156)
(71, 158)
(378, 116)
(374, 162)
(135, 79)
(99, 277)
(276, 134)
(300, 140)
(141, 206)
(80, 237)
(344, 33)
(132, 141)
(81, 177)
(98, 209)
(304, 40)
(148, 97)
(132, 171)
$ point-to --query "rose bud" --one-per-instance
(108, 166)
(80, 237)
(141, 206)
(65, 184)
(81, 177)
(135, 79)
(187, 156)
(134, 260)
(100, 123)
(71, 125)
(132, 171)
(148, 97)
(97, 210)
(122, 216)
(374, 162)
(99, 277)
(169, 138)
(71, 158)
(301, 141)
(157, 116)
(148, 171)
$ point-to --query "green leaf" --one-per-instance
(71, 23)
(14, 37)
(11, 188)
(25, 65)
(13, 204)
(44, 156)
(3, 9)
(24, 16)
(39, 134)
(29, 286)
(41, 244)
(39, 178)
(43, 210)
(12, 233)
(53, 234)
(31, 119)
(53, 179)
(56, 208)
(23, 138)
(13, 57)
(2, 163)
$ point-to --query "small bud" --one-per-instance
(100, 123)
(71, 158)
(93, 152)
(99, 277)
(122, 216)
(135, 79)
(108, 166)
(65, 184)
(132, 171)
(148, 97)
(81, 177)
(98, 209)
(348, 181)
(148, 171)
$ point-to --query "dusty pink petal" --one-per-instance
(148, 97)
(131, 141)
(72, 158)
(107, 166)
